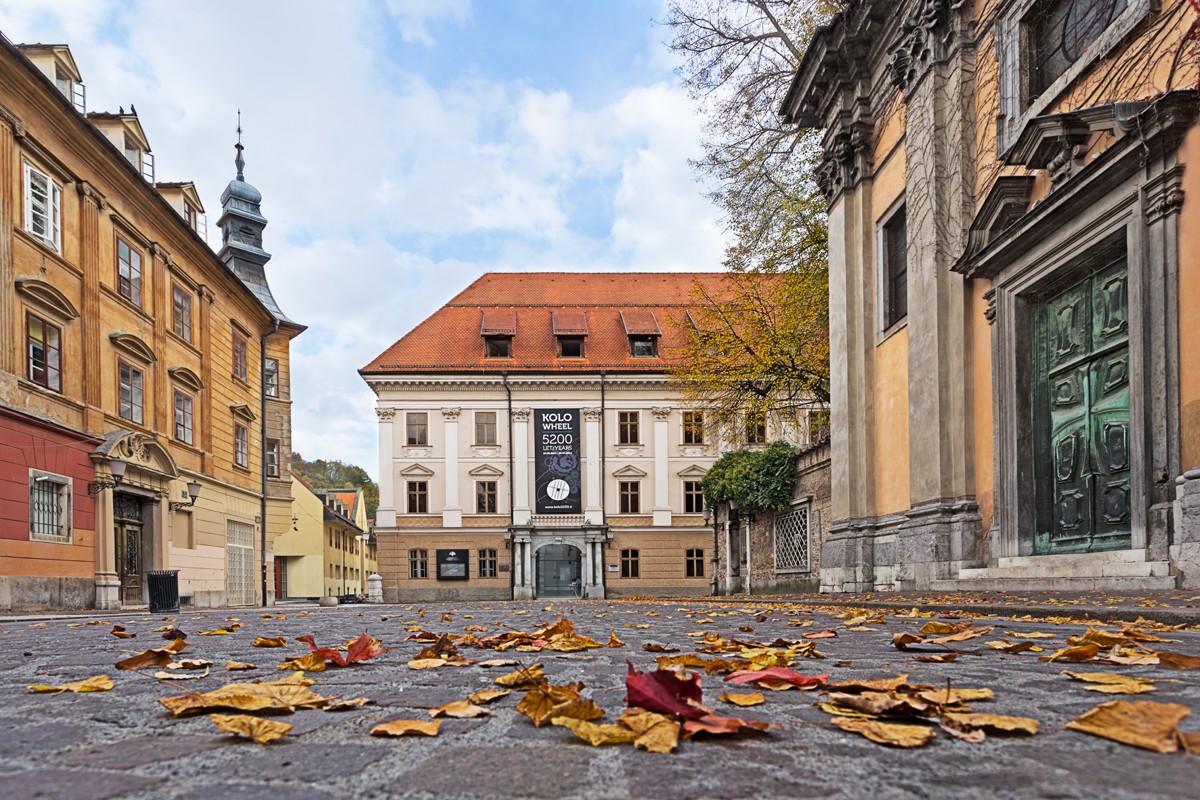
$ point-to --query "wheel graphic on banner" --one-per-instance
(558, 489)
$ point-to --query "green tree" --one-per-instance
(323, 474)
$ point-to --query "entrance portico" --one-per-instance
(558, 557)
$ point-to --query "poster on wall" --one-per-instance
(556, 454)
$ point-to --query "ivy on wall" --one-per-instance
(758, 479)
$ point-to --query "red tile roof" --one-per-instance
(606, 306)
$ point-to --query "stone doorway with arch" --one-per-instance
(558, 571)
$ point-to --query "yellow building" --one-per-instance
(1013, 301)
(328, 551)
(144, 409)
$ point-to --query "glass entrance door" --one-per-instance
(559, 570)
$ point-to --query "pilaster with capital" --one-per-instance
(593, 448)
(9, 319)
(520, 476)
(451, 511)
(90, 205)
(385, 515)
(662, 496)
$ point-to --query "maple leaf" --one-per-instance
(487, 695)
(274, 641)
(98, 683)
(360, 649)
(155, 657)
(524, 678)
(596, 735)
(261, 731)
(777, 678)
(656, 733)
(887, 732)
(285, 694)
(460, 709)
(1140, 723)
(720, 725)
(665, 692)
(544, 702)
(313, 662)
(406, 727)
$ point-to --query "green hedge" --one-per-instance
(754, 479)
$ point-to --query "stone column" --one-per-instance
(593, 511)
(520, 476)
(108, 583)
(522, 583)
(90, 205)
(10, 320)
(662, 487)
(385, 515)
(451, 511)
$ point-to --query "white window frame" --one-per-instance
(273, 457)
(685, 494)
(271, 377)
(185, 417)
(39, 480)
(53, 204)
(241, 445)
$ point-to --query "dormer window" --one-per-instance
(643, 346)
(570, 347)
(497, 346)
(141, 159)
(570, 329)
(641, 326)
(71, 89)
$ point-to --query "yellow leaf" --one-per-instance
(845, 711)
(345, 705)
(234, 666)
(156, 657)
(522, 678)
(751, 699)
(656, 733)
(404, 727)
(313, 662)
(595, 734)
(994, 722)
(874, 685)
(460, 709)
(1140, 723)
(1103, 639)
(1112, 683)
(887, 732)
(217, 632)
(1083, 652)
(256, 728)
(487, 695)
(1030, 634)
(426, 663)
(263, 641)
(284, 694)
(933, 627)
(613, 641)
(954, 697)
(99, 683)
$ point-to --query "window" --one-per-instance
(49, 506)
(498, 346)
(1060, 31)
(631, 497)
(693, 427)
(485, 497)
(756, 428)
(272, 458)
(894, 249)
(241, 446)
(183, 417)
(418, 497)
(643, 346)
(570, 347)
(416, 424)
(629, 563)
(43, 208)
(694, 562)
(485, 427)
(44, 348)
(239, 356)
(418, 563)
(130, 392)
(791, 540)
(129, 273)
(693, 497)
(627, 427)
(271, 377)
(487, 563)
(181, 312)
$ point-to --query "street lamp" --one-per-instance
(193, 489)
(116, 469)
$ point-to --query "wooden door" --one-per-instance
(129, 562)
(1081, 396)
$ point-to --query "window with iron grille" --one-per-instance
(627, 427)
(418, 497)
(629, 563)
(487, 563)
(44, 348)
(181, 312)
(272, 458)
(271, 377)
(49, 507)
(693, 498)
(239, 356)
(241, 446)
(1059, 31)
(129, 398)
(485, 497)
(43, 208)
(792, 540)
(694, 562)
(693, 427)
(416, 424)
(631, 497)
(418, 563)
(183, 417)
(485, 427)
(129, 272)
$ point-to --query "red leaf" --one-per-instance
(664, 692)
(777, 675)
(714, 724)
(361, 649)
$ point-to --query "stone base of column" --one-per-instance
(522, 593)
(108, 593)
(452, 518)
(1184, 551)
(662, 517)
(522, 516)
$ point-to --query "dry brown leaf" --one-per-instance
(260, 730)
(523, 678)
(190, 663)
(264, 641)
(1030, 634)
(119, 632)
(1178, 661)
(459, 709)
(954, 697)
(613, 641)
(656, 733)
(235, 666)
(1083, 652)
(934, 628)
(405, 727)
(845, 711)
(1013, 647)
(156, 657)
(498, 662)
(658, 647)
(963, 636)
(313, 662)
(963, 732)
(902, 640)
(346, 705)
(426, 663)
(750, 699)
(874, 685)
(887, 732)
(487, 695)
(1112, 683)
(939, 658)
(1102, 639)
(163, 675)
(993, 722)
(594, 734)
(1140, 723)
(98, 683)
(285, 694)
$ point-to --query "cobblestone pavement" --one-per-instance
(122, 744)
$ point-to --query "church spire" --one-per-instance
(239, 162)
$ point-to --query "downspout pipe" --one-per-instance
(512, 572)
(603, 485)
(262, 406)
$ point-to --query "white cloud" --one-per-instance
(412, 17)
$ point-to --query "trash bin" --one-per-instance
(164, 590)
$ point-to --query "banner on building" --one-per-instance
(556, 454)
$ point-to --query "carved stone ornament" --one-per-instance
(89, 192)
(844, 163)
(916, 48)
(385, 414)
(451, 414)
(522, 414)
(133, 448)
(661, 412)
(591, 414)
(989, 313)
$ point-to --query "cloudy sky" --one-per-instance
(404, 147)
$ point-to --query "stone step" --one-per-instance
(1066, 562)
(1103, 569)
(1057, 584)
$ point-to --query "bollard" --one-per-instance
(374, 588)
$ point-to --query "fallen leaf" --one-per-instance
(235, 666)
(156, 657)
(119, 632)
(1103, 639)
(487, 695)
(498, 662)
(360, 649)
(693, 661)
(933, 628)
(523, 678)
(656, 733)
(313, 662)
(1140, 723)
(873, 685)
(216, 632)
(405, 727)
(820, 635)
(1178, 661)
(954, 697)
(940, 658)
(1030, 634)
(98, 683)
(1112, 683)
(613, 641)
(263, 641)
(658, 647)
(845, 711)
(1013, 647)
(544, 702)
(1083, 652)
(346, 705)
(460, 709)
(594, 734)
(260, 730)
(423, 663)
(960, 731)
(902, 640)
(751, 699)
(887, 732)
(993, 722)
(777, 678)
(665, 692)
(285, 694)
(963, 636)
(721, 725)
(163, 675)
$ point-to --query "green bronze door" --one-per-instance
(1081, 407)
